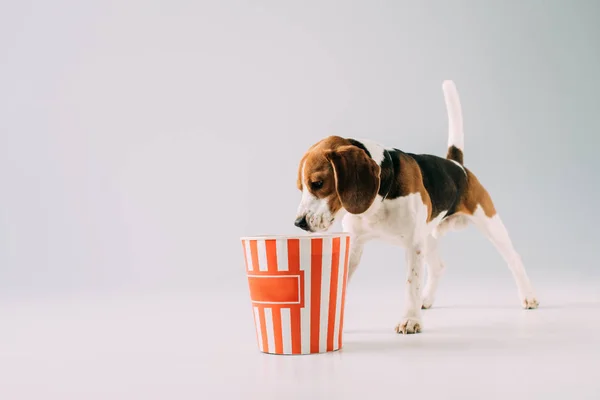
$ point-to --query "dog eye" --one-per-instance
(316, 185)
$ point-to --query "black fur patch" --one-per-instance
(390, 167)
(444, 181)
(360, 146)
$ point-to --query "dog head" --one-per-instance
(333, 174)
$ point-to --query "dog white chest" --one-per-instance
(398, 221)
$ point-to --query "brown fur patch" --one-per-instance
(456, 154)
(318, 168)
(315, 155)
(475, 194)
(356, 177)
(410, 180)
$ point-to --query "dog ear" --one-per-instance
(356, 177)
(300, 166)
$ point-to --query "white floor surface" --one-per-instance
(203, 346)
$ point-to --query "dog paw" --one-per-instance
(530, 302)
(427, 302)
(408, 326)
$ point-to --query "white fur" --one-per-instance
(401, 222)
(453, 223)
(435, 269)
(454, 110)
(494, 230)
(376, 151)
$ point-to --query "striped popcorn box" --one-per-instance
(297, 289)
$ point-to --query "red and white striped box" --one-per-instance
(297, 290)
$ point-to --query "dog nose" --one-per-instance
(301, 223)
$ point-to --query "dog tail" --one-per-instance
(456, 139)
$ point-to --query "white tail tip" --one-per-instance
(448, 85)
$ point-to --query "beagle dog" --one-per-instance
(406, 199)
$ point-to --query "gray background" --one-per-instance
(140, 139)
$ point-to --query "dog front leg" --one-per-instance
(356, 251)
(357, 242)
(411, 317)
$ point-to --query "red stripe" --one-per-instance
(316, 255)
(296, 331)
(333, 287)
(263, 329)
(294, 266)
(293, 254)
(346, 260)
(277, 330)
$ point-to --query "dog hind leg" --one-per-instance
(495, 231)
(435, 269)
